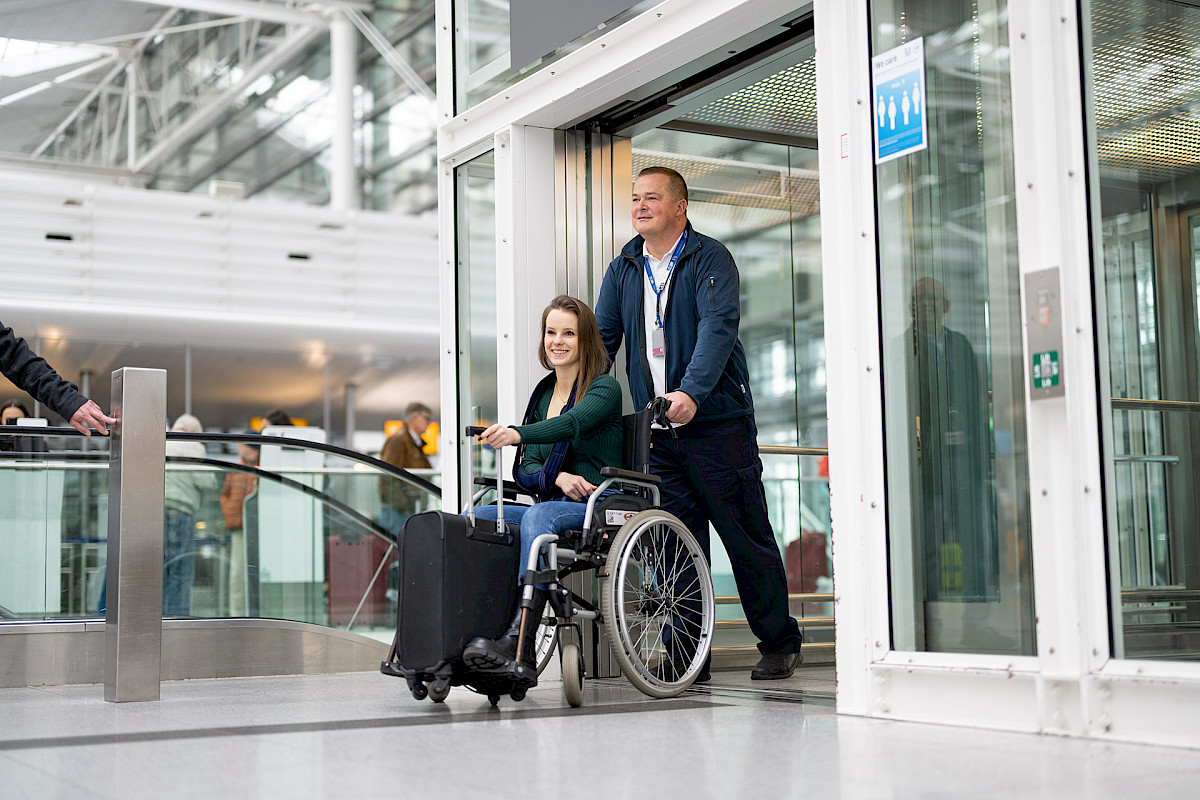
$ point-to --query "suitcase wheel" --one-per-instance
(494, 699)
(439, 690)
(419, 691)
(518, 694)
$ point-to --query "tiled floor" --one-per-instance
(362, 735)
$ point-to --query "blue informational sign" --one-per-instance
(898, 83)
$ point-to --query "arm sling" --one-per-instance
(541, 483)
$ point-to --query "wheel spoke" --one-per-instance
(659, 605)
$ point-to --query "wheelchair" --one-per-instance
(656, 602)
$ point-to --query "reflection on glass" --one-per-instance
(760, 200)
(477, 331)
(1144, 136)
(958, 511)
(305, 546)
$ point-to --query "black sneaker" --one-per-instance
(775, 666)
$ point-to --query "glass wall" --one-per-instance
(1144, 133)
(953, 375)
(760, 199)
(475, 215)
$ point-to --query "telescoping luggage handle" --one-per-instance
(474, 432)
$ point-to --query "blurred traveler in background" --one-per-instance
(238, 486)
(10, 412)
(403, 449)
(185, 487)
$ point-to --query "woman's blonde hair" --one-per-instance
(593, 358)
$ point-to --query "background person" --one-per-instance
(276, 416)
(576, 404)
(182, 495)
(237, 487)
(673, 296)
(403, 449)
(10, 412)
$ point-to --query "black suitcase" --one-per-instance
(458, 580)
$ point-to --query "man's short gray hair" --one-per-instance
(417, 408)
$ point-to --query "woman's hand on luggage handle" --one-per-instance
(574, 487)
(499, 436)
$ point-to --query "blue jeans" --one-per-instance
(179, 563)
(551, 516)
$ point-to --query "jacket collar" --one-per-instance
(633, 249)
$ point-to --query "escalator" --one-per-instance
(306, 586)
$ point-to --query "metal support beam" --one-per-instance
(389, 54)
(343, 69)
(84, 104)
(208, 114)
(136, 471)
(131, 129)
(269, 12)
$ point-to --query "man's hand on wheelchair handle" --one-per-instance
(682, 409)
(499, 436)
(573, 486)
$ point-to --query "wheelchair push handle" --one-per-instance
(659, 407)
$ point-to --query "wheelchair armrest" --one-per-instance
(644, 478)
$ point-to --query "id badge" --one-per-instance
(658, 343)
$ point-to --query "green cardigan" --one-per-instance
(592, 426)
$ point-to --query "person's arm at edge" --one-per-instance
(33, 374)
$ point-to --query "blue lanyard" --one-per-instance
(658, 290)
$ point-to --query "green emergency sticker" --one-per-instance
(1045, 369)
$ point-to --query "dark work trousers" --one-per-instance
(711, 472)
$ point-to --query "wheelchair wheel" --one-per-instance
(572, 674)
(657, 603)
(545, 640)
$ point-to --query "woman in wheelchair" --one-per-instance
(572, 428)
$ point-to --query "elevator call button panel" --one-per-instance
(1043, 320)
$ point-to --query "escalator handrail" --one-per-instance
(372, 527)
(257, 439)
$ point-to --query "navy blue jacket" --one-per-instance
(700, 327)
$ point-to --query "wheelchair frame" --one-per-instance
(643, 608)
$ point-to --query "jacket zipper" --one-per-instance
(712, 291)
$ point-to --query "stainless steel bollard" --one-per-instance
(136, 471)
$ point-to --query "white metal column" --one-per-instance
(527, 226)
(343, 72)
(855, 412)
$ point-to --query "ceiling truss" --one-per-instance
(158, 89)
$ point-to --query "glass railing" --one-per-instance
(1154, 473)
(305, 535)
(797, 487)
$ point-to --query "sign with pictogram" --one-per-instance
(900, 101)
